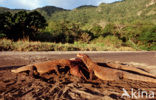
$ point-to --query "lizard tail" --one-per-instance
(130, 68)
(21, 69)
(139, 77)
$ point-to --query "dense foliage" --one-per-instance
(125, 23)
(21, 25)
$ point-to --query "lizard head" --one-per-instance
(82, 55)
(85, 58)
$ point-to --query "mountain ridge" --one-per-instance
(120, 11)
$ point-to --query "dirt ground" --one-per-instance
(22, 86)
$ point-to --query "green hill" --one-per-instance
(48, 11)
(121, 12)
(3, 9)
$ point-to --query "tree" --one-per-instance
(20, 27)
(35, 21)
(109, 30)
(22, 24)
(148, 37)
(5, 23)
(65, 31)
(97, 31)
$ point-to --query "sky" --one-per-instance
(66, 4)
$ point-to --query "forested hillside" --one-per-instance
(121, 12)
(129, 23)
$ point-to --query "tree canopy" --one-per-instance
(21, 24)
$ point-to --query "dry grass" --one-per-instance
(24, 45)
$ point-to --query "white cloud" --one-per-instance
(29, 3)
(105, 1)
(1, 1)
(68, 4)
(25, 4)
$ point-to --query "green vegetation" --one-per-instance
(21, 24)
(126, 24)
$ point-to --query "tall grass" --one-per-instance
(23, 45)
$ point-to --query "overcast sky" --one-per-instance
(66, 4)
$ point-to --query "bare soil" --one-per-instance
(22, 86)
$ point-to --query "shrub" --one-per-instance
(6, 45)
(85, 37)
(108, 30)
(96, 30)
(148, 38)
(108, 41)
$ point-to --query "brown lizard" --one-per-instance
(43, 67)
(129, 68)
(76, 68)
(47, 66)
(109, 74)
